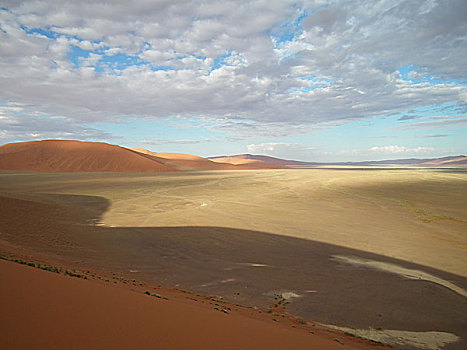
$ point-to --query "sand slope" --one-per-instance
(50, 311)
(75, 156)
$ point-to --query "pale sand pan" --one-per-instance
(432, 340)
(399, 270)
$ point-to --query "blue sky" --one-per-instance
(310, 80)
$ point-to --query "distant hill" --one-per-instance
(75, 156)
(444, 161)
(250, 158)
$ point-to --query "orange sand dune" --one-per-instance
(234, 160)
(251, 163)
(75, 156)
(44, 310)
(166, 155)
(183, 161)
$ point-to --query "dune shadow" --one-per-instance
(243, 266)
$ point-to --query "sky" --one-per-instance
(316, 80)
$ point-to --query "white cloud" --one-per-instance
(395, 149)
(173, 142)
(445, 122)
(353, 48)
(38, 127)
(274, 146)
(91, 60)
(289, 150)
(380, 153)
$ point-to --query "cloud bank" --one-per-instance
(277, 66)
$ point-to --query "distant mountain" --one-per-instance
(444, 161)
(249, 158)
(75, 156)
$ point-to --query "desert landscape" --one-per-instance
(233, 175)
(368, 252)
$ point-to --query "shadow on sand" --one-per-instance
(246, 267)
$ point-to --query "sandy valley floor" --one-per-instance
(415, 215)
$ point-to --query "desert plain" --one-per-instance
(373, 252)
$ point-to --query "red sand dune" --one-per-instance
(75, 156)
(44, 310)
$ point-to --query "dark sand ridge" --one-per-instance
(247, 267)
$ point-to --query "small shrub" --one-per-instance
(72, 274)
